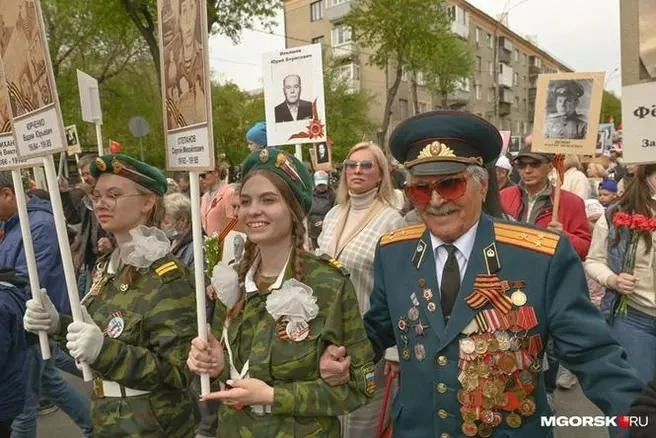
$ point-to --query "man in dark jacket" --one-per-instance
(323, 199)
(12, 349)
(43, 377)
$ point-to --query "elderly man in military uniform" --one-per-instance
(469, 300)
(565, 122)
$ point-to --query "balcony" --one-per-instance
(505, 76)
(458, 98)
(504, 57)
(337, 9)
(504, 108)
(345, 50)
(460, 29)
(349, 75)
(534, 66)
(505, 95)
(505, 44)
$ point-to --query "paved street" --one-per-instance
(572, 402)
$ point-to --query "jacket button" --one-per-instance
(441, 361)
(445, 435)
(441, 388)
(442, 413)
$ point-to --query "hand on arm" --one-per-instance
(206, 356)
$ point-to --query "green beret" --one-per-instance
(143, 174)
(286, 166)
(570, 88)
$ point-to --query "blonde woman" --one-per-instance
(362, 214)
(596, 174)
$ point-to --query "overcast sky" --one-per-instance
(581, 33)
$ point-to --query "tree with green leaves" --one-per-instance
(611, 107)
(398, 35)
(224, 17)
(447, 65)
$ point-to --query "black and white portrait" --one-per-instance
(294, 107)
(71, 136)
(322, 153)
(515, 144)
(568, 106)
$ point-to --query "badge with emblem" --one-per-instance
(420, 352)
(115, 326)
(413, 314)
(264, 155)
(297, 330)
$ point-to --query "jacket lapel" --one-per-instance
(462, 313)
(424, 261)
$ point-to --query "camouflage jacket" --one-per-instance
(158, 312)
(304, 405)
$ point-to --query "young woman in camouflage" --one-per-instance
(141, 312)
(276, 313)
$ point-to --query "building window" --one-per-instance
(490, 94)
(477, 90)
(420, 78)
(516, 78)
(316, 10)
(524, 58)
(524, 107)
(340, 34)
(490, 68)
(332, 3)
(517, 102)
(318, 40)
(479, 64)
(478, 35)
(404, 108)
(516, 55)
(490, 43)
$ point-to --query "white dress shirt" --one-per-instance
(464, 246)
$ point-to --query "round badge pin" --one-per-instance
(469, 429)
(115, 326)
(518, 298)
(431, 307)
(467, 346)
(297, 330)
(420, 352)
(413, 314)
(514, 420)
(264, 155)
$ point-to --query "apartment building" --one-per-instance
(502, 87)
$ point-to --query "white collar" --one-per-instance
(249, 281)
(464, 243)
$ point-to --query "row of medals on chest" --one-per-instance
(489, 368)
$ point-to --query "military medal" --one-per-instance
(527, 407)
(431, 306)
(405, 353)
(413, 298)
(420, 329)
(420, 352)
(469, 429)
(115, 326)
(428, 294)
(514, 420)
(402, 324)
(480, 346)
(467, 346)
(413, 314)
(518, 298)
(297, 330)
(486, 430)
(421, 282)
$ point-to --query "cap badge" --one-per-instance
(117, 166)
(436, 149)
(264, 155)
(100, 164)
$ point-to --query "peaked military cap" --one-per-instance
(570, 88)
(143, 174)
(537, 156)
(444, 142)
(286, 166)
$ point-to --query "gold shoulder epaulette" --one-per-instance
(402, 234)
(165, 268)
(524, 237)
(334, 263)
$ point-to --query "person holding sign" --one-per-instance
(140, 311)
(277, 312)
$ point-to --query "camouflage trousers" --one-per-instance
(156, 415)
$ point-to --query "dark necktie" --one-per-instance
(450, 283)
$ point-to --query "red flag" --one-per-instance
(114, 146)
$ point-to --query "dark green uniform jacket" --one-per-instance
(158, 312)
(304, 405)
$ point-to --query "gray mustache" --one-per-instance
(441, 211)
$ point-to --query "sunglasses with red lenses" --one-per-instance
(449, 189)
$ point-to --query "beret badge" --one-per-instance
(100, 164)
(117, 166)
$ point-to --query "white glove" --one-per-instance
(85, 339)
(41, 316)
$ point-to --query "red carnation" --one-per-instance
(639, 222)
(621, 219)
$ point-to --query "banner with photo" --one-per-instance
(31, 89)
(567, 108)
(185, 81)
(637, 18)
(514, 145)
(322, 155)
(293, 96)
(72, 140)
(604, 138)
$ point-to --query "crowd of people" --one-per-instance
(483, 281)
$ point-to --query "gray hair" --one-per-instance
(178, 206)
(478, 173)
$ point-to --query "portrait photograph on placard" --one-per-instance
(647, 39)
(567, 113)
(321, 155)
(514, 145)
(5, 114)
(293, 96)
(183, 62)
(27, 75)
